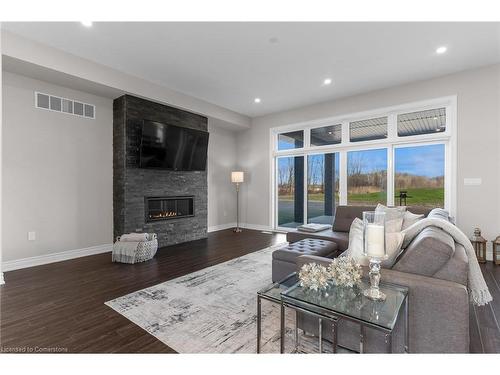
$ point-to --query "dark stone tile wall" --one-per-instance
(131, 184)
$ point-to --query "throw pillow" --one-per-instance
(392, 213)
(355, 249)
(393, 226)
(393, 242)
(409, 219)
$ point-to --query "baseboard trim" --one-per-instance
(256, 227)
(216, 228)
(17, 264)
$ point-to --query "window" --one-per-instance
(367, 177)
(322, 187)
(327, 135)
(419, 175)
(289, 141)
(368, 130)
(422, 122)
(402, 155)
(290, 178)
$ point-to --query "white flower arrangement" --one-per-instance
(313, 276)
(344, 271)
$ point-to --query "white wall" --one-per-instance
(64, 63)
(221, 192)
(58, 173)
(57, 170)
(478, 125)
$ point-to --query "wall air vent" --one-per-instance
(57, 104)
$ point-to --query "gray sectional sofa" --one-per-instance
(433, 267)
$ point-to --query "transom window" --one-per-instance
(368, 130)
(291, 140)
(422, 122)
(396, 156)
(326, 135)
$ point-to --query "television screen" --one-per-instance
(171, 147)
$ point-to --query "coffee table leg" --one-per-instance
(259, 323)
(320, 328)
(282, 329)
(388, 342)
(407, 326)
(296, 331)
(334, 335)
(362, 339)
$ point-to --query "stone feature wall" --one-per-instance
(131, 183)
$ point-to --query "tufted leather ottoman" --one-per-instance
(284, 259)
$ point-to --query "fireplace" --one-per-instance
(166, 208)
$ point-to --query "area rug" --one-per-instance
(210, 311)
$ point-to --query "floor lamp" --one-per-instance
(237, 178)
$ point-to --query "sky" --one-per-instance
(422, 160)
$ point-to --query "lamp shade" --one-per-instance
(237, 177)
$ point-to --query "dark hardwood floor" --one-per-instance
(61, 305)
(485, 320)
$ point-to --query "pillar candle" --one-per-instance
(375, 240)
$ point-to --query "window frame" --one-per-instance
(448, 138)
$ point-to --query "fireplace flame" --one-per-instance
(163, 214)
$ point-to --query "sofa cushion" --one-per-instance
(344, 216)
(410, 218)
(457, 268)
(429, 251)
(341, 239)
(309, 246)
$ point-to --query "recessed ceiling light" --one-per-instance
(257, 100)
(441, 50)
(327, 81)
(87, 23)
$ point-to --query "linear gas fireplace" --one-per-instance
(165, 208)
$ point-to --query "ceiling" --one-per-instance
(283, 64)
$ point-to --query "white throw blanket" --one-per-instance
(479, 293)
(134, 237)
(124, 252)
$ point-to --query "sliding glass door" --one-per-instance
(322, 187)
(367, 177)
(419, 175)
(290, 178)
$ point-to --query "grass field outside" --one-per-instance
(429, 197)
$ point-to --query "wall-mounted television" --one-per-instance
(165, 146)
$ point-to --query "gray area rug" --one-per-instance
(213, 310)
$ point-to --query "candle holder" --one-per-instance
(374, 248)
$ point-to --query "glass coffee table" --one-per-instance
(336, 303)
(272, 293)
